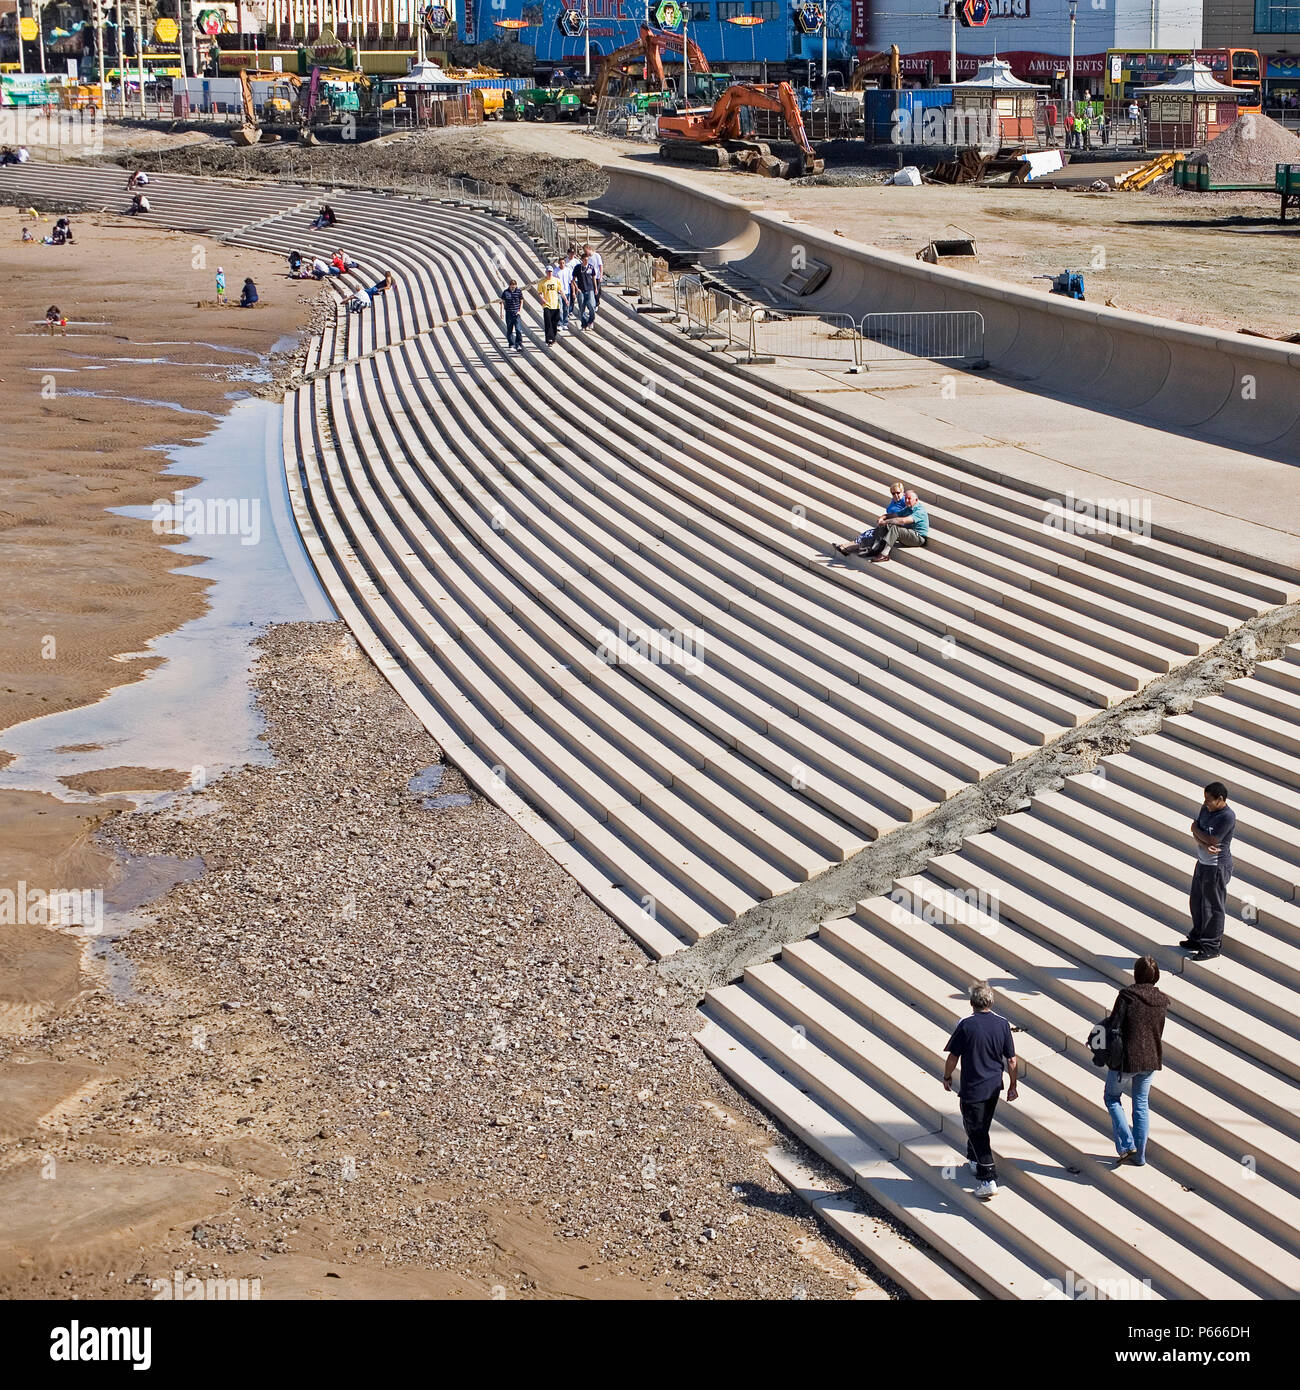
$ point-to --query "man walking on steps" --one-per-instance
(548, 287)
(584, 282)
(512, 301)
(1212, 830)
(982, 1045)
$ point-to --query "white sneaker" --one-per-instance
(987, 1190)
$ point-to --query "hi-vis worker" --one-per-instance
(549, 289)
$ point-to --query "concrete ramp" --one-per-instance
(1241, 390)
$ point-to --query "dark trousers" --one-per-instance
(977, 1117)
(1209, 901)
(514, 335)
(551, 323)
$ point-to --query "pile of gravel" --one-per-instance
(438, 1033)
(408, 162)
(1248, 151)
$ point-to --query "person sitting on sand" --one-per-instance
(55, 318)
(27, 236)
(249, 297)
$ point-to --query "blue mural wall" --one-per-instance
(614, 23)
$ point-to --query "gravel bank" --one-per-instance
(407, 1042)
(405, 161)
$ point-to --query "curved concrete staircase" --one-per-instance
(507, 535)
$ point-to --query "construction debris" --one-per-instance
(974, 165)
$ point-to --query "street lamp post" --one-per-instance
(952, 42)
(586, 37)
(121, 65)
(1074, 10)
(826, 91)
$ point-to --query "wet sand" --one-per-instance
(146, 364)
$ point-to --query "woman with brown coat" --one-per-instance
(1139, 1019)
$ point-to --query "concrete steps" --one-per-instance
(1051, 908)
(507, 534)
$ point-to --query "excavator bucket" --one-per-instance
(244, 135)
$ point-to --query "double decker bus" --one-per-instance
(1128, 71)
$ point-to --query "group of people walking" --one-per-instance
(569, 292)
(1127, 1042)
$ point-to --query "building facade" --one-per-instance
(1032, 35)
(1272, 28)
(735, 35)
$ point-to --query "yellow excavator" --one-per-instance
(878, 65)
(250, 132)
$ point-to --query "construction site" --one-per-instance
(522, 840)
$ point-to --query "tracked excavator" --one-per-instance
(717, 140)
(647, 52)
(250, 132)
(878, 65)
(339, 89)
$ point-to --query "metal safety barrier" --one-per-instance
(807, 336)
(946, 335)
(703, 312)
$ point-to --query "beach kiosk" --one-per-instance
(1190, 109)
(996, 102)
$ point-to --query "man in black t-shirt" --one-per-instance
(1212, 830)
(982, 1044)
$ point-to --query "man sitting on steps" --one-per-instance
(909, 525)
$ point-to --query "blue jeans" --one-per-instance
(514, 337)
(1127, 1139)
(564, 311)
(587, 306)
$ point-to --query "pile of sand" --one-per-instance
(1248, 151)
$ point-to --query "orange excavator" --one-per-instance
(717, 137)
(647, 51)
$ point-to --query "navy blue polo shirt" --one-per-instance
(983, 1042)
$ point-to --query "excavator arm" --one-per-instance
(648, 47)
(879, 63)
(723, 121)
